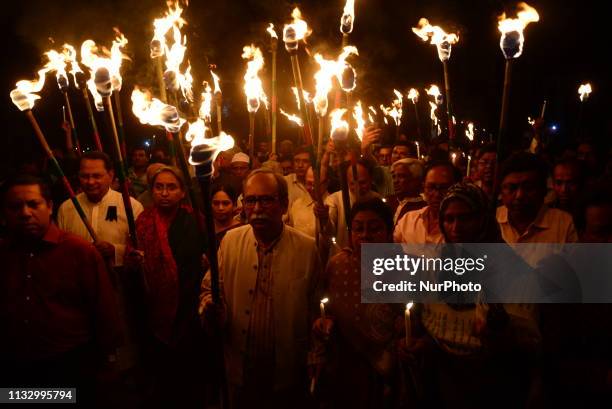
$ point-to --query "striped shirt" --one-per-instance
(260, 351)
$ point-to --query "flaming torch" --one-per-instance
(206, 104)
(347, 20)
(218, 100)
(110, 64)
(434, 91)
(80, 81)
(253, 89)
(584, 91)
(443, 42)
(203, 154)
(117, 57)
(395, 111)
(273, 49)
(293, 118)
(292, 34)
(106, 75)
(24, 98)
(57, 63)
(339, 134)
(161, 26)
(323, 85)
(413, 95)
(511, 43)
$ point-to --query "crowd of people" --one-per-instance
(133, 323)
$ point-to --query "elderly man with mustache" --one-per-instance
(268, 272)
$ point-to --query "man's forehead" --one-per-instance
(260, 184)
(25, 192)
(439, 173)
(92, 164)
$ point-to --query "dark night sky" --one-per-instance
(560, 51)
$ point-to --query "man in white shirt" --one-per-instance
(268, 273)
(408, 174)
(333, 215)
(523, 217)
(297, 181)
(423, 226)
(103, 207)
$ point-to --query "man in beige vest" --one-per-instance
(268, 272)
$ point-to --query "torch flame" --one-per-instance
(434, 91)
(395, 111)
(512, 38)
(117, 57)
(216, 82)
(175, 79)
(371, 114)
(307, 98)
(293, 118)
(442, 40)
(271, 31)
(413, 95)
(70, 56)
(296, 31)
(359, 119)
(163, 25)
(253, 87)
(339, 127)
(469, 132)
(97, 59)
(57, 63)
(323, 84)
(152, 111)
(348, 17)
(409, 306)
(585, 91)
(328, 70)
(196, 135)
(206, 106)
(23, 96)
(434, 118)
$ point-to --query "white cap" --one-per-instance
(241, 157)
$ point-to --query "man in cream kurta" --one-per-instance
(102, 206)
(268, 273)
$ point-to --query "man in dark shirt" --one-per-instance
(57, 306)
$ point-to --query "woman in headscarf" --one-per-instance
(171, 247)
(475, 354)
